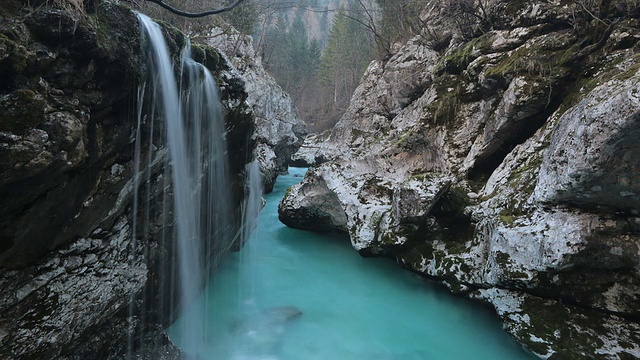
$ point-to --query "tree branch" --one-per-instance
(198, 14)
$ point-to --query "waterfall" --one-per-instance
(181, 125)
(250, 211)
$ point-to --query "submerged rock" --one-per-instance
(505, 169)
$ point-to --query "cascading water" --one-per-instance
(182, 127)
(253, 310)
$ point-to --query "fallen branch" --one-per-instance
(197, 14)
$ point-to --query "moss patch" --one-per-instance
(21, 110)
(459, 60)
(574, 332)
(539, 61)
(443, 109)
(13, 57)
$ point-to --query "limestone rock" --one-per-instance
(542, 324)
(505, 167)
(69, 266)
(310, 152)
(592, 161)
(277, 123)
(319, 210)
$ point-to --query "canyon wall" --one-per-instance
(503, 164)
(73, 265)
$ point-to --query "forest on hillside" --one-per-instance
(317, 50)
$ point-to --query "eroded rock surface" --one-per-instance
(71, 264)
(504, 169)
(279, 130)
(310, 152)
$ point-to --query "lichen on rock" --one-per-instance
(524, 137)
(69, 267)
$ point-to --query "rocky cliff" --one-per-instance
(503, 164)
(69, 271)
(279, 131)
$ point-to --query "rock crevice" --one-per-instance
(509, 174)
(70, 271)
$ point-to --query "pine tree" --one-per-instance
(347, 54)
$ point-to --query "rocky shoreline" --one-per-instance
(503, 167)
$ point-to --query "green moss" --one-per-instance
(511, 64)
(537, 62)
(444, 108)
(16, 56)
(213, 59)
(574, 332)
(286, 194)
(459, 60)
(198, 53)
(400, 141)
(631, 71)
(507, 219)
(566, 57)
(21, 110)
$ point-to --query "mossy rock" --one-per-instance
(207, 56)
(21, 110)
(456, 62)
(573, 333)
(543, 61)
(443, 110)
(117, 31)
(13, 57)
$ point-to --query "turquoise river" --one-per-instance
(297, 295)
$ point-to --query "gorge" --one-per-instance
(500, 164)
(493, 153)
(283, 297)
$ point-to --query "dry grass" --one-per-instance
(75, 7)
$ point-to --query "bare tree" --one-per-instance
(195, 14)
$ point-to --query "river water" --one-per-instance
(296, 295)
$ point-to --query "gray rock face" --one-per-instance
(503, 172)
(277, 123)
(71, 263)
(319, 204)
(592, 160)
(310, 152)
(45, 307)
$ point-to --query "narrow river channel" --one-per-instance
(296, 295)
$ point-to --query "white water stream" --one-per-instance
(191, 135)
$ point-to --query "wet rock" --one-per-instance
(54, 303)
(503, 168)
(310, 152)
(319, 208)
(542, 325)
(277, 123)
(71, 263)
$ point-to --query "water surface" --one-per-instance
(352, 308)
